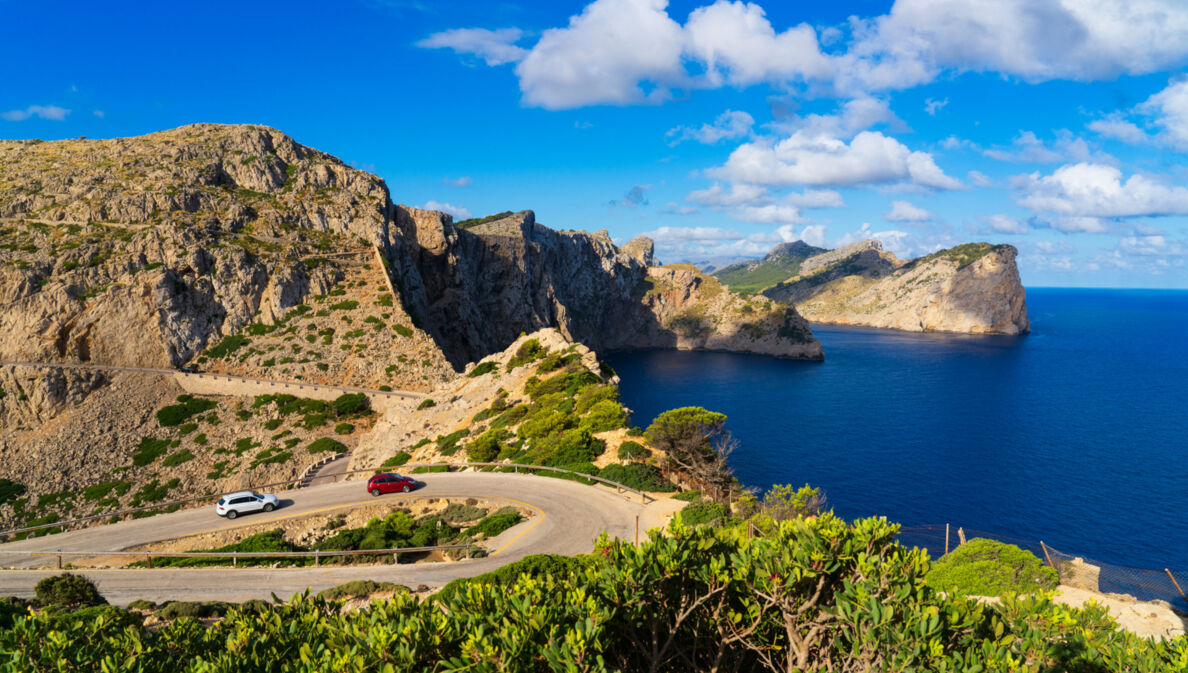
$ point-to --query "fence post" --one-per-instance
(946, 538)
(1173, 579)
(1045, 548)
(235, 560)
(317, 558)
(59, 560)
(636, 530)
(150, 560)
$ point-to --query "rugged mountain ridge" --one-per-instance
(155, 250)
(972, 288)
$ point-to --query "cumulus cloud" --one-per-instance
(817, 160)
(458, 212)
(605, 55)
(1169, 110)
(623, 52)
(50, 112)
(932, 106)
(754, 203)
(980, 179)
(858, 114)
(1005, 224)
(1028, 148)
(1114, 126)
(902, 211)
(816, 198)
(1082, 193)
(635, 197)
(463, 181)
(729, 124)
(674, 208)
(495, 47)
(1034, 39)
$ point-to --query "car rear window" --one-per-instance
(222, 501)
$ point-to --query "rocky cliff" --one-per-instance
(972, 288)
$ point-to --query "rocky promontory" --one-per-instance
(972, 288)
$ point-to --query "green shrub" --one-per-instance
(605, 415)
(12, 607)
(448, 444)
(227, 346)
(496, 523)
(141, 604)
(457, 511)
(487, 446)
(193, 609)
(426, 404)
(536, 565)
(397, 460)
(347, 305)
(273, 423)
(149, 450)
(359, 589)
(351, 404)
(311, 421)
(176, 414)
(100, 490)
(186, 429)
(527, 352)
(67, 592)
(703, 513)
(325, 444)
(483, 368)
(344, 429)
(640, 476)
(982, 567)
(688, 496)
(177, 458)
(630, 450)
(402, 330)
(10, 491)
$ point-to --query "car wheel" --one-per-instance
(375, 492)
(406, 488)
(269, 507)
(232, 514)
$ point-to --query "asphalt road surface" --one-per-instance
(569, 517)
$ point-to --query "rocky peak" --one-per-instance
(795, 249)
(642, 249)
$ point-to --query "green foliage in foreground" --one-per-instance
(10, 490)
(813, 594)
(176, 414)
(984, 567)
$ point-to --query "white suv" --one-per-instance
(243, 502)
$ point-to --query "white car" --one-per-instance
(243, 502)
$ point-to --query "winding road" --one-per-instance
(569, 517)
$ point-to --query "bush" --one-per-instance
(702, 513)
(227, 346)
(457, 511)
(639, 476)
(149, 450)
(426, 404)
(496, 523)
(527, 352)
(351, 404)
(325, 444)
(605, 415)
(12, 607)
(688, 496)
(483, 368)
(982, 567)
(178, 458)
(176, 414)
(487, 446)
(630, 450)
(397, 460)
(344, 429)
(67, 592)
(536, 565)
(311, 421)
(10, 490)
(359, 589)
(193, 609)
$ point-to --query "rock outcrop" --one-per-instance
(973, 288)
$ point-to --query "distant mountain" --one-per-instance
(782, 263)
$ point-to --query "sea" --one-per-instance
(1075, 434)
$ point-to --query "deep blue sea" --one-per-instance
(1076, 434)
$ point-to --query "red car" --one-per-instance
(390, 483)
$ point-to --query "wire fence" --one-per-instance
(1145, 584)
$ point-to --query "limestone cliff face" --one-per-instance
(972, 288)
(149, 251)
(477, 289)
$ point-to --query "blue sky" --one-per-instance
(718, 128)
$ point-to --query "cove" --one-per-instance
(1076, 434)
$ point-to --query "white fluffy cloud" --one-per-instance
(50, 112)
(730, 124)
(495, 47)
(1080, 193)
(1028, 148)
(818, 160)
(1005, 224)
(1169, 108)
(605, 55)
(624, 52)
(458, 212)
(1033, 39)
(902, 211)
(754, 203)
(737, 45)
